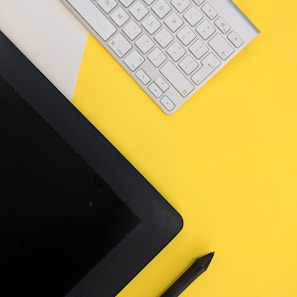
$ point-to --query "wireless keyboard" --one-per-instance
(171, 48)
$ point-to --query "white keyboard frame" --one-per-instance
(86, 13)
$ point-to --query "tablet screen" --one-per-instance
(58, 218)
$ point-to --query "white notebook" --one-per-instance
(170, 48)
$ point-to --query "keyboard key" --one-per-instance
(193, 16)
(223, 26)
(162, 84)
(134, 60)
(119, 16)
(144, 43)
(151, 24)
(157, 57)
(221, 46)
(107, 6)
(236, 40)
(210, 12)
(176, 51)
(198, 48)
(180, 5)
(177, 79)
(163, 37)
(143, 76)
(186, 35)
(167, 103)
(156, 91)
(161, 8)
(188, 64)
(173, 22)
(209, 64)
(132, 30)
(205, 29)
(139, 11)
(120, 45)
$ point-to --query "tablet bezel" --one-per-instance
(160, 222)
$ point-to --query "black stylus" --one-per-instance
(197, 268)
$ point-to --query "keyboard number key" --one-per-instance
(236, 40)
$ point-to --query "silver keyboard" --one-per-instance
(171, 48)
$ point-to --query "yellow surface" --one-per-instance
(227, 160)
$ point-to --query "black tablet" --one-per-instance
(76, 218)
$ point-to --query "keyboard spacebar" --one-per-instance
(177, 79)
(94, 17)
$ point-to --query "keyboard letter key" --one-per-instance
(161, 8)
(139, 11)
(107, 6)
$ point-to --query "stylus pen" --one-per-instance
(197, 268)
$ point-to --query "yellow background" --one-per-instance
(227, 160)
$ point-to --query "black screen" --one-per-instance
(58, 218)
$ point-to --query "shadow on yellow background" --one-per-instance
(227, 160)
